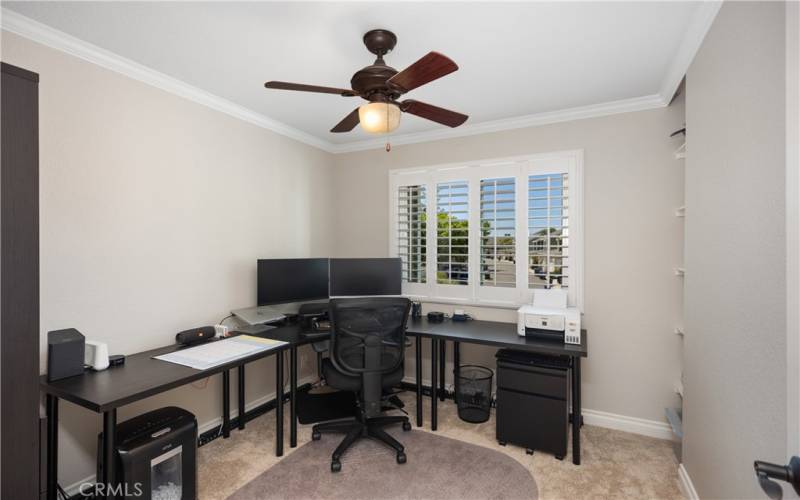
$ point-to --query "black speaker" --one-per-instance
(195, 335)
(435, 316)
(65, 351)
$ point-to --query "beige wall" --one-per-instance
(735, 347)
(632, 241)
(153, 212)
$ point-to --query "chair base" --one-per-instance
(354, 429)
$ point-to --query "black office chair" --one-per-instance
(367, 352)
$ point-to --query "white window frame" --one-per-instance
(520, 167)
(416, 291)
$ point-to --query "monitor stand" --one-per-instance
(271, 313)
(258, 315)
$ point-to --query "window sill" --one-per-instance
(465, 302)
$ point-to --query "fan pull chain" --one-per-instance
(388, 144)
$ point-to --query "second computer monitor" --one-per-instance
(365, 277)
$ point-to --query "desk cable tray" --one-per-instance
(220, 352)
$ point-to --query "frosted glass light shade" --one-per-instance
(379, 117)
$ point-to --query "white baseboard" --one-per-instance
(644, 427)
(74, 488)
(652, 428)
(685, 482)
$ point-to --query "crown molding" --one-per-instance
(695, 34)
(41, 33)
(563, 115)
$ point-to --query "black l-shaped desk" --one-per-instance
(142, 376)
(490, 333)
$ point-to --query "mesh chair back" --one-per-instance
(368, 340)
(361, 325)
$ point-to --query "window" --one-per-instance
(504, 228)
(498, 233)
(412, 232)
(452, 233)
(548, 231)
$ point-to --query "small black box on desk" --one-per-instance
(65, 353)
(532, 401)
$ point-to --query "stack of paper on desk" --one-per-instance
(220, 352)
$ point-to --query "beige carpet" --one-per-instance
(437, 467)
(615, 464)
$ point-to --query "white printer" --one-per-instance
(549, 318)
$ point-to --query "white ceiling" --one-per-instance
(515, 59)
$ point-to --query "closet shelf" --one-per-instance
(680, 153)
(675, 419)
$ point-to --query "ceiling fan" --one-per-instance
(382, 85)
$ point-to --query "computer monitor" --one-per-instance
(282, 281)
(365, 277)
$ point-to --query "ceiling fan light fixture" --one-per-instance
(379, 117)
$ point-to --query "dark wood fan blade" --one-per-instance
(433, 113)
(309, 88)
(349, 122)
(434, 65)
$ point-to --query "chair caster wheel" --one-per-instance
(559, 458)
(336, 466)
(406, 426)
(501, 443)
(401, 458)
(316, 435)
(528, 451)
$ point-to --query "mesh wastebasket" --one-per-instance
(474, 393)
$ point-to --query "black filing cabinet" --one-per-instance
(532, 401)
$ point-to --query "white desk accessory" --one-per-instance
(96, 355)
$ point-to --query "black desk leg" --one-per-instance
(577, 416)
(456, 369)
(226, 404)
(279, 404)
(442, 363)
(242, 411)
(52, 447)
(293, 397)
(109, 443)
(434, 383)
(418, 368)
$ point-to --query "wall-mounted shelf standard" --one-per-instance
(675, 415)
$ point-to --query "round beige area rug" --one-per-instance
(437, 467)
